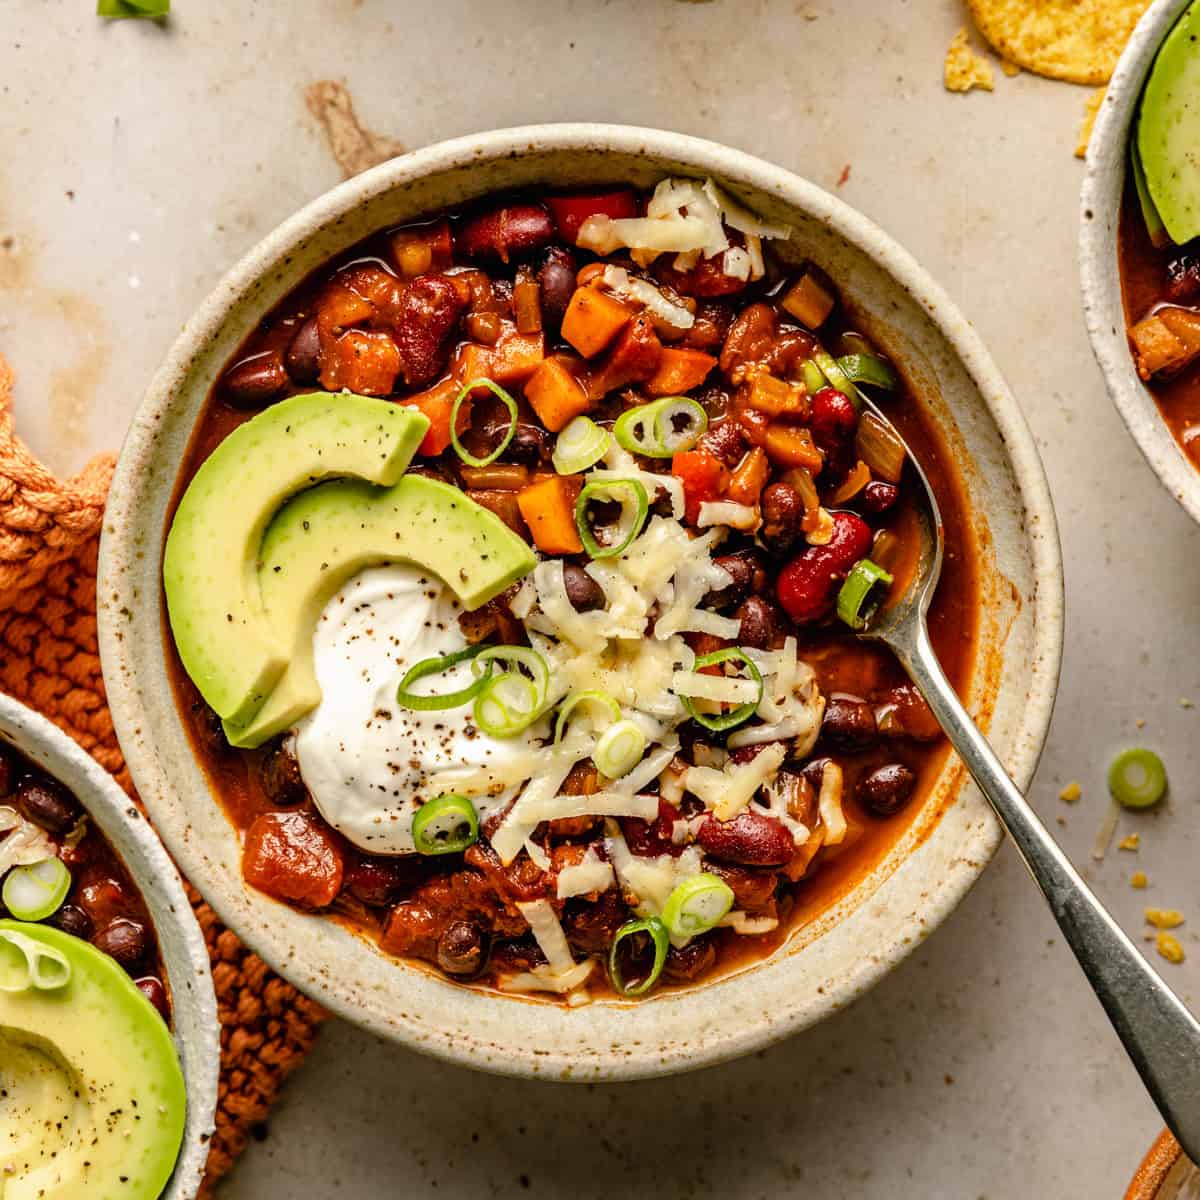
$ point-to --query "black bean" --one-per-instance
(462, 949)
(782, 514)
(303, 358)
(151, 987)
(584, 593)
(687, 963)
(887, 789)
(47, 804)
(557, 279)
(210, 733)
(849, 724)
(255, 381)
(759, 622)
(281, 780)
(529, 445)
(73, 920)
(123, 940)
(747, 574)
(814, 772)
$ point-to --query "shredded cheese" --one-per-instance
(25, 844)
(542, 980)
(727, 792)
(727, 512)
(620, 283)
(829, 804)
(748, 926)
(590, 874)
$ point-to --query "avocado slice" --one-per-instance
(92, 1100)
(1168, 132)
(232, 653)
(330, 533)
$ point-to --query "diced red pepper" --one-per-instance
(704, 477)
(437, 404)
(571, 211)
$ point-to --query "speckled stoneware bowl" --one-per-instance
(1100, 207)
(828, 963)
(194, 1005)
(1166, 1173)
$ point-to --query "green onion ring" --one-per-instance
(654, 928)
(35, 892)
(591, 696)
(435, 666)
(649, 429)
(581, 444)
(494, 713)
(509, 403)
(835, 376)
(696, 905)
(619, 749)
(1137, 778)
(630, 528)
(855, 602)
(736, 716)
(146, 9)
(867, 368)
(34, 974)
(814, 381)
(447, 825)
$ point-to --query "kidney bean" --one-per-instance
(750, 839)
(255, 381)
(848, 724)
(833, 420)
(707, 278)
(151, 987)
(303, 356)
(653, 837)
(556, 277)
(726, 440)
(584, 593)
(887, 789)
(506, 232)
(293, 856)
(571, 211)
(903, 712)
(462, 949)
(73, 920)
(757, 615)
(47, 804)
(428, 315)
(687, 963)
(753, 887)
(102, 900)
(807, 586)
(746, 574)
(123, 940)
(749, 337)
(379, 881)
(279, 773)
(878, 497)
(782, 517)
(591, 925)
(712, 323)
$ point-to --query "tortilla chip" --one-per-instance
(1090, 109)
(964, 69)
(1076, 40)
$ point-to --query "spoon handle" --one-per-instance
(1160, 1035)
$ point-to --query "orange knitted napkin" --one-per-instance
(49, 535)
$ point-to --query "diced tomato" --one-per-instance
(704, 477)
(437, 404)
(571, 211)
(294, 856)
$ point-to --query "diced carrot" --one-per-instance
(633, 359)
(555, 394)
(775, 397)
(749, 478)
(679, 371)
(792, 446)
(593, 318)
(366, 363)
(549, 510)
(703, 476)
(437, 404)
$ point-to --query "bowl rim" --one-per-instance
(698, 155)
(194, 1005)
(1099, 273)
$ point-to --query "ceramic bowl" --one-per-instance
(1100, 208)
(1166, 1173)
(185, 957)
(828, 963)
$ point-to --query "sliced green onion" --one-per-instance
(580, 445)
(859, 596)
(696, 905)
(835, 376)
(447, 825)
(867, 368)
(650, 429)
(36, 892)
(435, 666)
(1137, 778)
(133, 8)
(656, 931)
(39, 965)
(509, 703)
(634, 507)
(619, 749)
(736, 716)
(509, 403)
(814, 381)
(575, 699)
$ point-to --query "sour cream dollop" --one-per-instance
(366, 760)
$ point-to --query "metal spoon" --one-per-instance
(1159, 1034)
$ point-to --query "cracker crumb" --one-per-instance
(1138, 879)
(1140, 723)
(1071, 792)
(963, 68)
(1184, 702)
(1164, 918)
(1130, 842)
(1009, 68)
(1090, 109)
(1168, 946)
